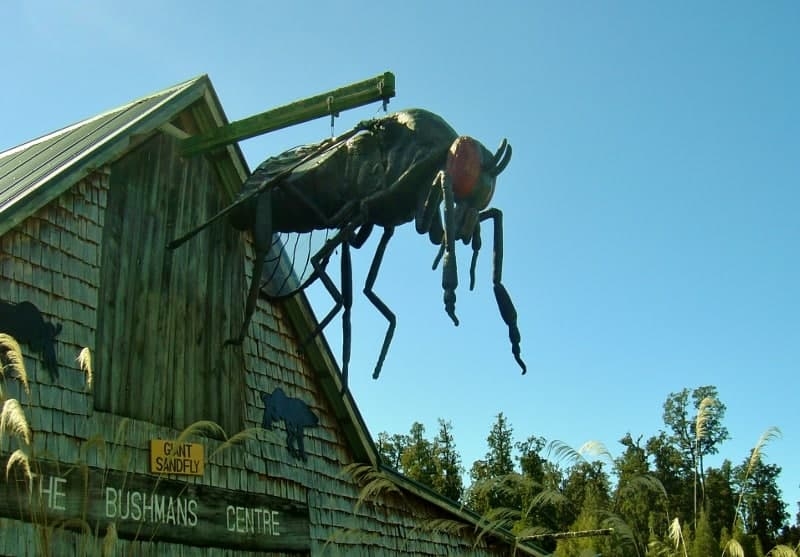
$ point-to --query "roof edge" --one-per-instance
(90, 119)
(458, 510)
(178, 98)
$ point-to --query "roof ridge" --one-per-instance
(170, 91)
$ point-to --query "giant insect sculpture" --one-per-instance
(410, 165)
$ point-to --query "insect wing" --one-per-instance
(287, 268)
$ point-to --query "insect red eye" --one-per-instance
(464, 166)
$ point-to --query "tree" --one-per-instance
(391, 447)
(638, 495)
(447, 461)
(435, 464)
(501, 443)
(417, 460)
(530, 459)
(587, 487)
(720, 503)
(696, 431)
(762, 509)
(669, 468)
(704, 543)
(495, 468)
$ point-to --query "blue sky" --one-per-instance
(651, 205)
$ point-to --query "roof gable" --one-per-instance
(38, 171)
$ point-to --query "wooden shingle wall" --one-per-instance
(63, 260)
(52, 259)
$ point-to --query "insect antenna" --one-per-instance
(501, 158)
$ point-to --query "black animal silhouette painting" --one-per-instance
(296, 416)
(25, 323)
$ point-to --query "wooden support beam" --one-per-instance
(379, 88)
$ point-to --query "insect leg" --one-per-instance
(262, 240)
(376, 301)
(347, 302)
(449, 269)
(343, 298)
(319, 261)
(429, 209)
(476, 247)
(357, 240)
(428, 219)
(504, 303)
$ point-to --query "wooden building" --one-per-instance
(85, 214)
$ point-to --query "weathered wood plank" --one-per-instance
(364, 92)
(158, 336)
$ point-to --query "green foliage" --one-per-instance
(489, 475)
(761, 508)
(436, 463)
(498, 460)
(720, 497)
(447, 463)
(657, 495)
(390, 448)
(704, 543)
(416, 460)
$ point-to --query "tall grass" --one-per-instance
(12, 417)
(12, 362)
(700, 432)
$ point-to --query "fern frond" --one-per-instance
(442, 526)
(645, 481)
(622, 530)
(560, 451)
(375, 488)
(533, 533)
(501, 518)
(546, 497)
(373, 482)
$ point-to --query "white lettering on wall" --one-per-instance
(252, 520)
(52, 491)
(141, 506)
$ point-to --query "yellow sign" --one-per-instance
(170, 457)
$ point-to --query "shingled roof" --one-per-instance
(38, 171)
